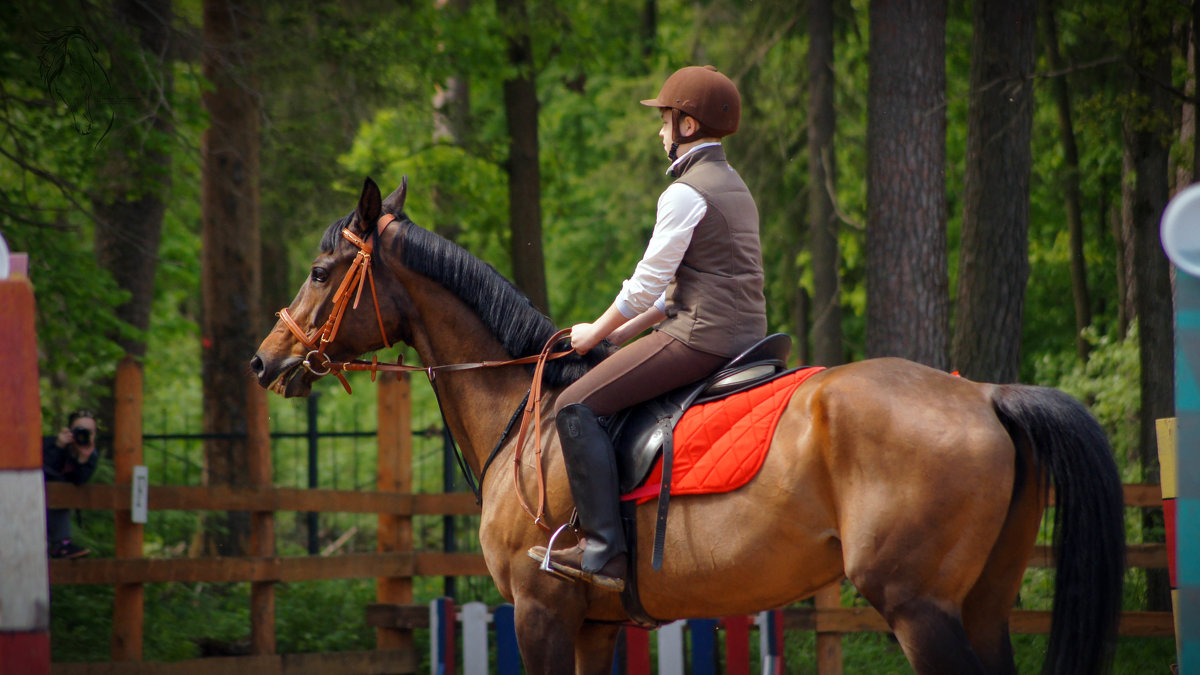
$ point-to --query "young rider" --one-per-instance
(700, 284)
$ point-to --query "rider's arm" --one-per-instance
(633, 327)
(680, 209)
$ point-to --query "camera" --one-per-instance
(82, 436)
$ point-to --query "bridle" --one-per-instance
(317, 362)
(358, 274)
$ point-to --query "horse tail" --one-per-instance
(1089, 528)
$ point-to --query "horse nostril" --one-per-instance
(256, 365)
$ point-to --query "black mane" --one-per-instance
(506, 312)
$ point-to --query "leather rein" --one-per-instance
(317, 362)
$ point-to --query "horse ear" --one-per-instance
(395, 201)
(369, 206)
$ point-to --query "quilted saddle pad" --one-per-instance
(720, 446)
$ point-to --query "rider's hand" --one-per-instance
(584, 336)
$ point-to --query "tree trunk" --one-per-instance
(1071, 193)
(1147, 134)
(822, 176)
(230, 256)
(907, 285)
(524, 172)
(135, 177)
(451, 115)
(1123, 234)
(993, 263)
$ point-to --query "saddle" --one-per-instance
(643, 432)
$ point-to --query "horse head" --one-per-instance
(343, 309)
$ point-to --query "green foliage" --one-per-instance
(1107, 383)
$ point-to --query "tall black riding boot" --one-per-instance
(599, 558)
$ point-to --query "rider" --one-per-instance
(700, 284)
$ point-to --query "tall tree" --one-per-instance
(130, 195)
(129, 198)
(907, 285)
(993, 259)
(1072, 196)
(524, 171)
(828, 349)
(230, 255)
(1147, 137)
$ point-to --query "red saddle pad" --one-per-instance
(720, 446)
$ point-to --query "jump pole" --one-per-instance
(1180, 234)
(24, 575)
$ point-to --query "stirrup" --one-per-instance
(545, 565)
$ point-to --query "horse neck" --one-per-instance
(477, 403)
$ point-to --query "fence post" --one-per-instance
(262, 523)
(394, 475)
(24, 583)
(829, 645)
(128, 599)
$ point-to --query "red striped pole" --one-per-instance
(24, 575)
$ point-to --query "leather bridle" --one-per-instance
(317, 362)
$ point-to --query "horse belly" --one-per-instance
(764, 545)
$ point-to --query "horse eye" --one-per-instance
(319, 275)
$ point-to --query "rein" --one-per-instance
(317, 362)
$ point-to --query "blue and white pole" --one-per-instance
(1180, 234)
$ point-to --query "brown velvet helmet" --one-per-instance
(705, 94)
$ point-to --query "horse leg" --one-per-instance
(546, 637)
(933, 638)
(594, 648)
(988, 605)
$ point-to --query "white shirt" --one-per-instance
(680, 209)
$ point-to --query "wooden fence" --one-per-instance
(393, 565)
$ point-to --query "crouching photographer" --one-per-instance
(69, 457)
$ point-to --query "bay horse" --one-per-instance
(924, 489)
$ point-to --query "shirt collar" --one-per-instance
(671, 168)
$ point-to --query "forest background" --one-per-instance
(974, 185)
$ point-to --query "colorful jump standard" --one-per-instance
(24, 579)
(1181, 240)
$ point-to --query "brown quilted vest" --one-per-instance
(715, 303)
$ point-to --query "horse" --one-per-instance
(924, 489)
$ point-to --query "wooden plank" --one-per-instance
(262, 523)
(379, 662)
(449, 504)
(450, 565)
(1147, 556)
(829, 645)
(225, 498)
(299, 568)
(218, 570)
(129, 596)
(394, 475)
(1145, 495)
(385, 615)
